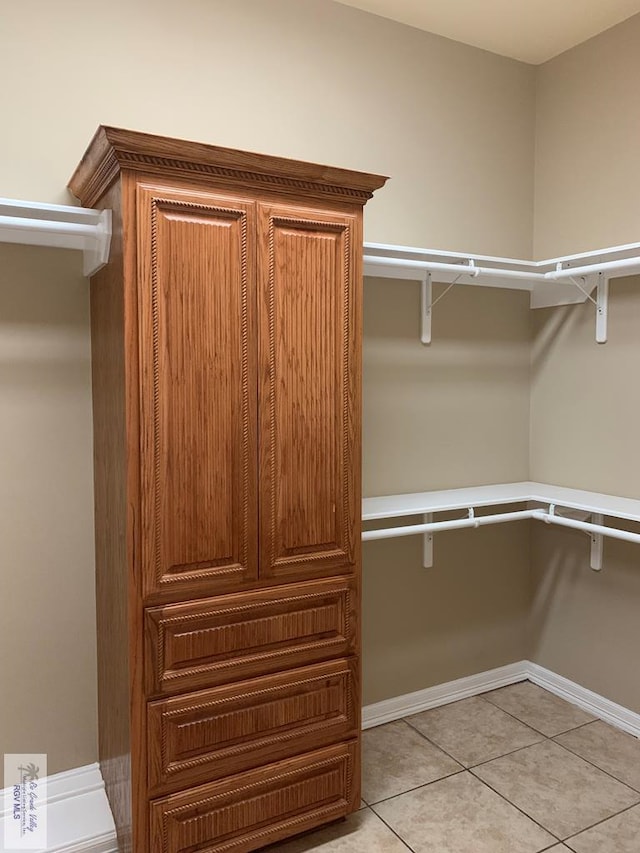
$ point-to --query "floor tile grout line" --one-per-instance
(621, 811)
(581, 726)
(590, 826)
(573, 834)
(595, 766)
(391, 829)
(482, 782)
(557, 839)
(513, 717)
(529, 725)
(551, 738)
(504, 711)
(599, 823)
(510, 714)
(517, 808)
(417, 787)
(433, 743)
(507, 754)
(468, 767)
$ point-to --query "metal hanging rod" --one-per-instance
(590, 505)
(454, 524)
(559, 281)
(60, 226)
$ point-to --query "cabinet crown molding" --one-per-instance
(114, 149)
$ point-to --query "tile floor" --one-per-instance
(516, 770)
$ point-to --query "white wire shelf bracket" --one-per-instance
(60, 226)
(592, 506)
(568, 280)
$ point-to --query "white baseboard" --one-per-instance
(593, 703)
(442, 694)
(473, 685)
(78, 816)
(79, 819)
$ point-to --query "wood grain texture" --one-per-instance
(310, 443)
(214, 733)
(234, 637)
(197, 314)
(110, 498)
(249, 811)
(115, 149)
(137, 699)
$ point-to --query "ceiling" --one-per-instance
(530, 30)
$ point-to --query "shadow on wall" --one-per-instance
(584, 624)
(464, 615)
(47, 604)
(44, 317)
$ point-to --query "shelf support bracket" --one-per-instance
(597, 543)
(96, 254)
(426, 300)
(602, 308)
(427, 546)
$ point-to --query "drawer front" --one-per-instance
(224, 731)
(235, 637)
(251, 810)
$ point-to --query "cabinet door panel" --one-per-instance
(309, 301)
(198, 377)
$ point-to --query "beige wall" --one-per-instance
(449, 415)
(584, 624)
(585, 399)
(47, 625)
(453, 125)
(587, 183)
(301, 78)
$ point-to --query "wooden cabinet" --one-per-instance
(226, 373)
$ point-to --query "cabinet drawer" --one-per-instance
(253, 809)
(234, 637)
(220, 732)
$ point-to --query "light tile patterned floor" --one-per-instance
(516, 770)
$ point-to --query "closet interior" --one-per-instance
(227, 469)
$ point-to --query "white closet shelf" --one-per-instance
(591, 505)
(60, 226)
(567, 280)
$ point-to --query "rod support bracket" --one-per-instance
(602, 308)
(96, 253)
(597, 543)
(427, 546)
(426, 304)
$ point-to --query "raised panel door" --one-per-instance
(309, 285)
(197, 304)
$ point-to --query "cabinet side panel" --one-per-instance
(112, 570)
(310, 447)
